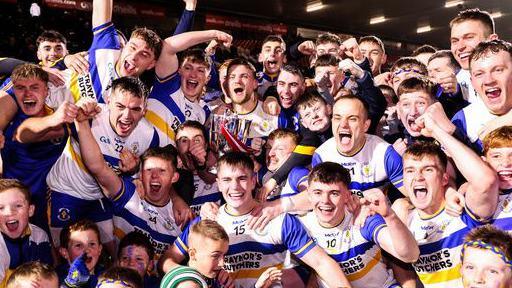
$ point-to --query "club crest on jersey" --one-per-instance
(135, 147)
(506, 205)
(63, 214)
(366, 170)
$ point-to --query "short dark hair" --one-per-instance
(29, 270)
(485, 47)
(193, 124)
(136, 239)
(420, 149)
(423, 49)
(328, 37)
(309, 98)
(407, 63)
(274, 38)
(241, 62)
(363, 102)
(387, 89)
(294, 70)
(51, 36)
(168, 153)
(236, 159)
(328, 173)
(476, 15)
(445, 54)
(197, 56)
(414, 84)
(80, 225)
(151, 38)
(373, 39)
(121, 274)
(130, 84)
(6, 184)
(327, 60)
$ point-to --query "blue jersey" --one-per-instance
(298, 175)
(289, 118)
(374, 166)
(471, 119)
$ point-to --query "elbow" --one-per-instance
(411, 254)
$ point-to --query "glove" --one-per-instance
(78, 274)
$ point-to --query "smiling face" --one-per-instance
(328, 202)
(500, 160)
(135, 257)
(316, 117)
(464, 37)
(136, 57)
(236, 184)
(81, 242)
(157, 176)
(272, 56)
(280, 150)
(48, 52)
(14, 213)
(209, 258)
(411, 106)
(241, 83)
(31, 95)
(194, 76)
(482, 268)
(349, 125)
(289, 88)
(125, 111)
(491, 76)
(425, 181)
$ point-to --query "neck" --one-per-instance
(335, 222)
(357, 148)
(246, 107)
(241, 210)
(191, 98)
(434, 209)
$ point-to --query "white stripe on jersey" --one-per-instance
(360, 259)
(204, 193)
(503, 216)
(440, 238)
(70, 176)
(475, 116)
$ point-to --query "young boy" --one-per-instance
(33, 274)
(81, 248)
(487, 258)
(136, 252)
(120, 277)
(20, 241)
(334, 231)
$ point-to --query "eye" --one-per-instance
(494, 271)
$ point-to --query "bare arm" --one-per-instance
(170, 259)
(93, 159)
(326, 268)
(168, 62)
(9, 109)
(101, 12)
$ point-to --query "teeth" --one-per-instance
(464, 55)
(29, 101)
(192, 82)
(505, 173)
(343, 134)
(238, 90)
(12, 222)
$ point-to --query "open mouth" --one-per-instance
(493, 93)
(12, 226)
(155, 186)
(326, 210)
(464, 56)
(125, 125)
(235, 195)
(29, 103)
(238, 90)
(192, 84)
(505, 175)
(129, 67)
(345, 137)
(411, 121)
(420, 192)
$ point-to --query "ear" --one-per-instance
(367, 124)
(384, 58)
(192, 253)
(39, 55)
(260, 57)
(64, 253)
(446, 179)
(151, 265)
(484, 158)
(152, 65)
(175, 177)
(493, 37)
(329, 109)
(31, 210)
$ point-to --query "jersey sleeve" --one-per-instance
(372, 227)
(4, 261)
(105, 37)
(316, 160)
(124, 194)
(393, 166)
(182, 241)
(298, 176)
(295, 237)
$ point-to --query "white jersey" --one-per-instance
(204, 193)
(440, 238)
(468, 92)
(503, 216)
(471, 119)
(252, 252)
(265, 81)
(297, 176)
(134, 214)
(168, 107)
(355, 249)
(375, 165)
(262, 123)
(69, 174)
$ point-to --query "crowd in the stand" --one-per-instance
(128, 166)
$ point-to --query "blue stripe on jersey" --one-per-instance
(365, 186)
(393, 166)
(183, 238)
(162, 92)
(207, 198)
(155, 141)
(295, 236)
(113, 161)
(104, 25)
(316, 160)
(503, 223)
(451, 241)
(459, 120)
(371, 227)
(353, 252)
(297, 176)
(143, 225)
(251, 246)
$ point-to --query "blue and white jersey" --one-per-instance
(262, 124)
(289, 118)
(440, 238)
(265, 81)
(502, 218)
(468, 92)
(298, 175)
(168, 107)
(375, 165)
(204, 193)
(472, 119)
(252, 252)
(34, 245)
(355, 249)
(69, 174)
(131, 213)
